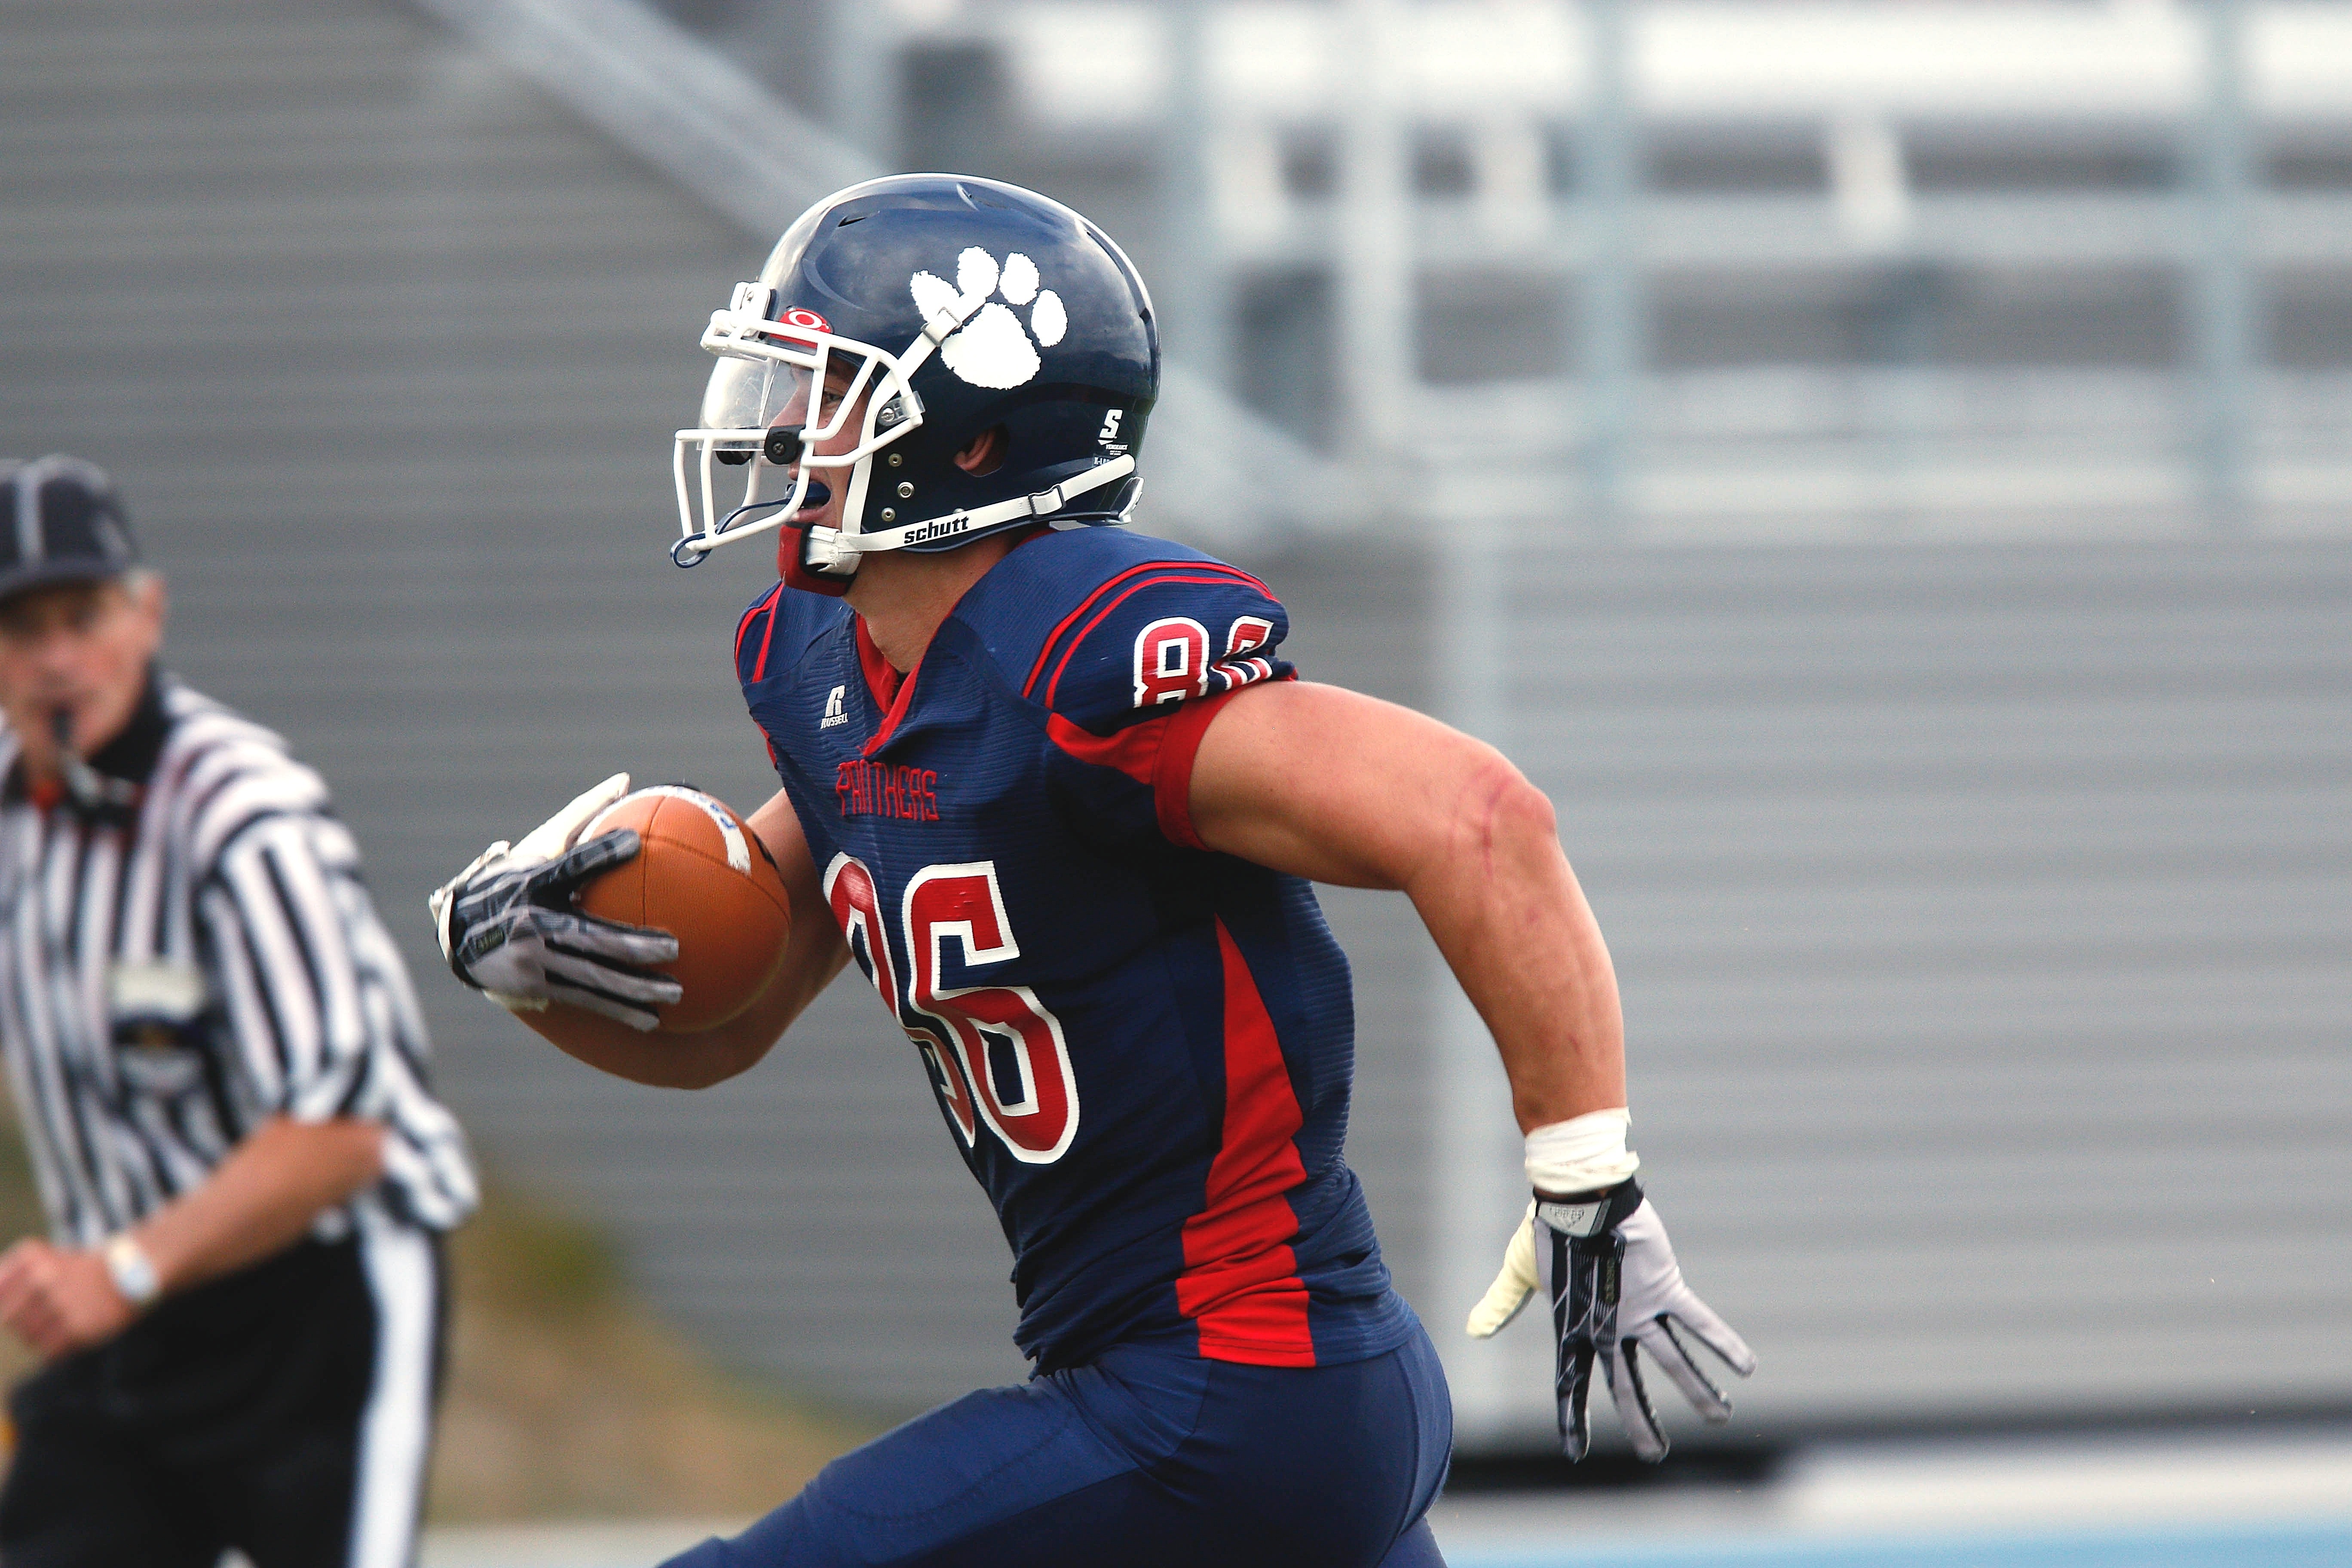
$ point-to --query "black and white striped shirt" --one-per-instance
(176, 971)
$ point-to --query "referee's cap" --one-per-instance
(60, 521)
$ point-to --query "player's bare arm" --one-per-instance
(259, 1201)
(1338, 787)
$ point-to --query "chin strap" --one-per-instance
(797, 548)
(1020, 509)
(822, 560)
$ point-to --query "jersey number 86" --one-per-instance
(995, 1052)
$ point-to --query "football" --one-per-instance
(704, 877)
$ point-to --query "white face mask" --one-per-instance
(758, 413)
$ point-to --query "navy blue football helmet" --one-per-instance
(895, 323)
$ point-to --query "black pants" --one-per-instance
(283, 1410)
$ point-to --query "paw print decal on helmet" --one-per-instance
(992, 348)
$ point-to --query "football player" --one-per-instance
(1053, 788)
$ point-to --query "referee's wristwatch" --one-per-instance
(132, 1271)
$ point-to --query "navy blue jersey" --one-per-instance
(1143, 1047)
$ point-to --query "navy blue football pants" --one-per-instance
(1143, 1458)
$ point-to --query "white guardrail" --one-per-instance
(1097, 63)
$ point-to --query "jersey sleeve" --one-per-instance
(1132, 678)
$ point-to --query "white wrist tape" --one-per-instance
(1581, 1155)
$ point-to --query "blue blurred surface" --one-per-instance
(2327, 1545)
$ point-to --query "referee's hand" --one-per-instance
(60, 1300)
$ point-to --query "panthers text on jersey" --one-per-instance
(1143, 1047)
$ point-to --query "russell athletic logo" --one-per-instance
(834, 710)
(992, 348)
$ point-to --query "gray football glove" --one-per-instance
(507, 926)
(1605, 1264)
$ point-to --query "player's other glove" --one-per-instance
(507, 926)
(1604, 1262)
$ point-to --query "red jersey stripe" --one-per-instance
(743, 627)
(1134, 751)
(1241, 1282)
(1172, 781)
(1158, 751)
(882, 678)
(1079, 641)
(766, 637)
(893, 692)
(1046, 650)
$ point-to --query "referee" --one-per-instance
(221, 1072)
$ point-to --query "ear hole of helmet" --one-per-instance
(986, 452)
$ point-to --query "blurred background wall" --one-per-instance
(1882, 467)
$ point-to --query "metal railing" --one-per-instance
(1226, 90)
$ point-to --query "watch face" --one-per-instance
(132, 1271)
